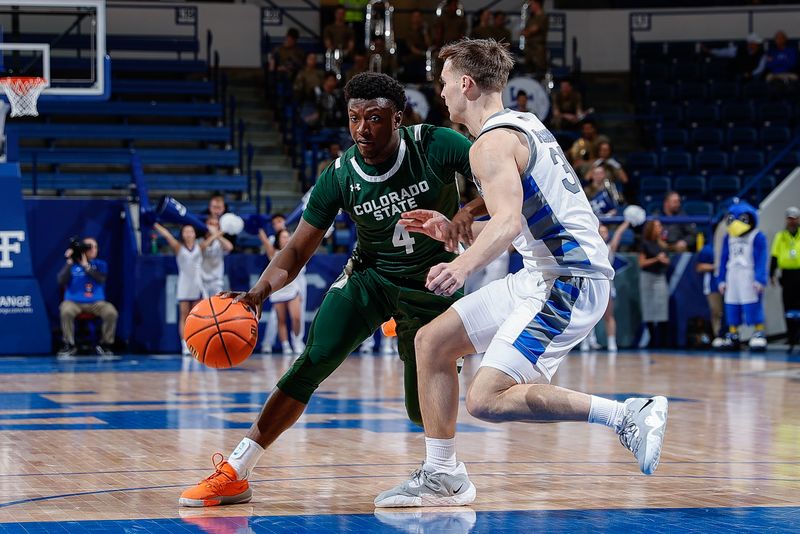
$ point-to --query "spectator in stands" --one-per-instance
(749, 60)
(212, 272)
(416, 44)
(288, 300)
(307, 80)
(606, 159)
(289, 58)
(679, 237)
(535, 33)
(338, 35)
(355, 13)
(584, 150)
(217, 207)
(501, 32)
(410, 116)
(380, 59)
(705, 266)
(522, 102)
(330, 106)
(359, 66)
(567, 107)
(653, 289)
(786, 257)
(485, 28)
(333, 151)
(782, 60)
(83, 278)
(601, 192)
(452, 24)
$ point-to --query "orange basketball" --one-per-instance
(219, 333)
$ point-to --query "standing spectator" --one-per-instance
(782, 60)
(359, 66)
(380, 59)
(307, 80)
(653, 287)
(217, 207)
(502, 33)
(584, 150)
(289, 57)
(485, 28)
(212, 272)
(83, 278)
(535, 33)
(749, 60)
(355, 13)
(338, 35)
(705, 266)
(679, 237)
(786, 257)
(567, 108)
(189, 256)
(330, 110)
(287, 301)
(453, 25)
(417, 44)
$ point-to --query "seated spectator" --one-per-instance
(83, 278)
(415, 45)
(522, 102)
(307, 80)
(484, 29)
(782, 60)
(567, 107)
(535, 33)
(289, 57)
(678, 237)
(749, 60)
(330, 108)
(359, 66)
(453, 25)
(653, 288)
(338, 35)
(502, 33)
(584, 150)
(605, 159)
(600, 191)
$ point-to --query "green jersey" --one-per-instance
(421, 175)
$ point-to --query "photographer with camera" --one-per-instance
(83, 278)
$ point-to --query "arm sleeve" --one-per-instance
(450, 151)
(723, 262)
(325, 200)
(762, 64)
(729, 51)
(760, 258)
(65, 275)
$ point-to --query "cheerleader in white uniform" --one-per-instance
(189, 256)
(287, 301)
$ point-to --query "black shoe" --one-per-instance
(67, 352)
(103, 351)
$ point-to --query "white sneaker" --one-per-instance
(185, 348)
(642, 430)
(612, 346)
(718, 343)
(758, 342)
(424, 488)
(585, 347)
(297, 343)
(287, 347)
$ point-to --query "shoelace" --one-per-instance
(628, 436)
(430, 480)
(219, 478)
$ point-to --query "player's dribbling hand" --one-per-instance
(460, 230)
(429, 222)
(445, 279)
(249, 299)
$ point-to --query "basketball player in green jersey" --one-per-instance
(390, 170)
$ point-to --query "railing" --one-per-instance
(757, 180)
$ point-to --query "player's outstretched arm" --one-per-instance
(285, 265)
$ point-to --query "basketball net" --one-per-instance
(22, 93)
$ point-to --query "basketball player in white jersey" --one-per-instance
(527, 322)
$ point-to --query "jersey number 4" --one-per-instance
(402, 238)
(571, 182)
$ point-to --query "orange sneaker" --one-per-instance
(223, 487)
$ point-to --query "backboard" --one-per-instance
(63, 41)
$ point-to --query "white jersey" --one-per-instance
(213, 269)
(559, 236)
(741, 270)
(190, 285)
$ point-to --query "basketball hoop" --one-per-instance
(22, 93)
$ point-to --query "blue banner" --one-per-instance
(15, 243)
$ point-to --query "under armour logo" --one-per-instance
(7, 247)
(355, 187)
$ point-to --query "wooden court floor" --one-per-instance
(108, 446)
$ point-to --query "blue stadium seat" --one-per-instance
(656, 91)
(127, 109)
(653, 188)
(120, 132)
(672, 138)
(700, 114)
(742, 138)
(775, 137)
(747, 162)
(698, 208)
(675, 162)
(719, 69)
(761, 189)
(786, 164)
(722, 186)
(705, 138)
(737, 114)
(711, 162)
(755, 90)
(691, 90)
(641, 163)
(655, 51)
(654, 206)
(685, 71)
(690, 186)
(682, 51)
(667, 114)
(723, 91)
(775, 114)
(654, 71)
(121, 156)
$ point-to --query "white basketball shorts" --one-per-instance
(525, 324)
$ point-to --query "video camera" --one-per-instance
(78, 248)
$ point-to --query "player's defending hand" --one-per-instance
(253, 301)
(460, 230)
(429, 222)
(446, 278)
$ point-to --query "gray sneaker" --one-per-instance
(430, 489)
(642, 430)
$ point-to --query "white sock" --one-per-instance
(606, 412)
(245, 457)
(612, 343)
(440, 455)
